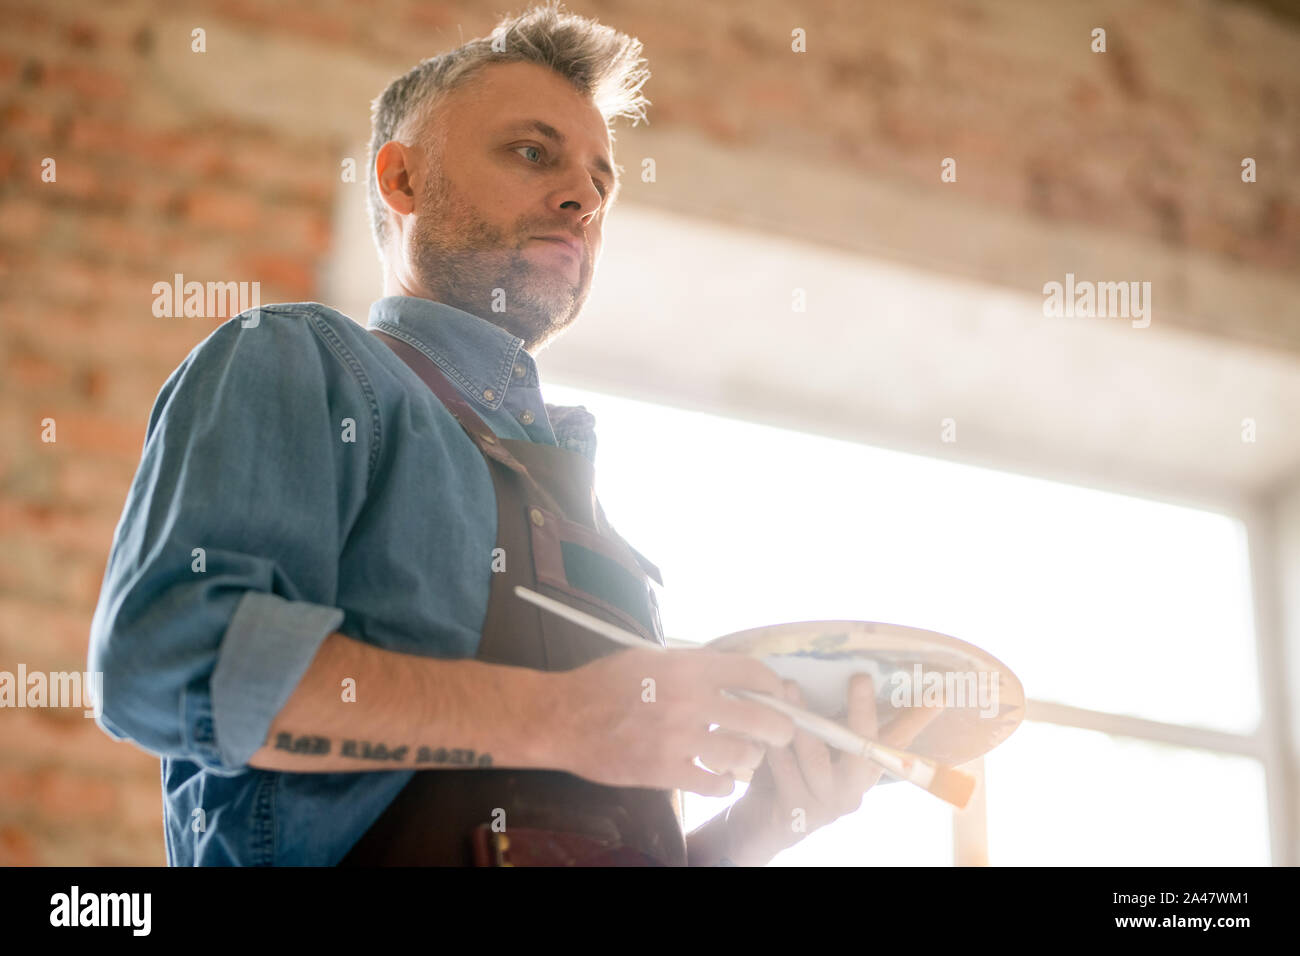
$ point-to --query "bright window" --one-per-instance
(1096, 600)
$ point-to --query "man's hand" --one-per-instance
(808, 784)
(639, 718)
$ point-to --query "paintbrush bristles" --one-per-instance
(952, 786)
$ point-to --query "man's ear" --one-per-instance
(393, 173)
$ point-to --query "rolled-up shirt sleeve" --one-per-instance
(267, 648)
(223, 575)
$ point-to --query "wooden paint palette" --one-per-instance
(984, 701)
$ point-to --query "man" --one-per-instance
(308, 612)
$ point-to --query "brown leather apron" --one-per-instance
(557, 542)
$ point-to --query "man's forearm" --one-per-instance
(411, 712)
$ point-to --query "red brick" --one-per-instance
(96, 481)
(17, 848)
(293, 274)
(21, 218)
(85, 80)
(32, 371)
(66, 528)
(87, 431)
(41, 572)
(32, 735)
(55, 793)
(231, 210)
(140, 801)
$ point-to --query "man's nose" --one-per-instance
(582, 196)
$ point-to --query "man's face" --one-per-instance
(501, 179)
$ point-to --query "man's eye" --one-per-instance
(538, 148)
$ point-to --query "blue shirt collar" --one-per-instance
(479, 358)
(476, 355)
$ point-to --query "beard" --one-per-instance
(464, 261)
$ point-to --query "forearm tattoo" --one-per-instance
(313, 746)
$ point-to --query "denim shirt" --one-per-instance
(298, 478)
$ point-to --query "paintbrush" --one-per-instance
(946, 783)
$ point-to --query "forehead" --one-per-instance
(526, 98)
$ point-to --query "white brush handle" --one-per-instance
(603, 628)
(896, 763)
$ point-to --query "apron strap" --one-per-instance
(450, 396)
(477, 430)
(484, 437)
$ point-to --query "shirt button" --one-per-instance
(526, 417)
(489, 394)
(519, 370)
(536, 516)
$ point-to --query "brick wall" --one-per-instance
(150, 183)
(137, 197)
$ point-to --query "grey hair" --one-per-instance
(599, 61)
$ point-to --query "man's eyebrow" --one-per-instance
(551, 133)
